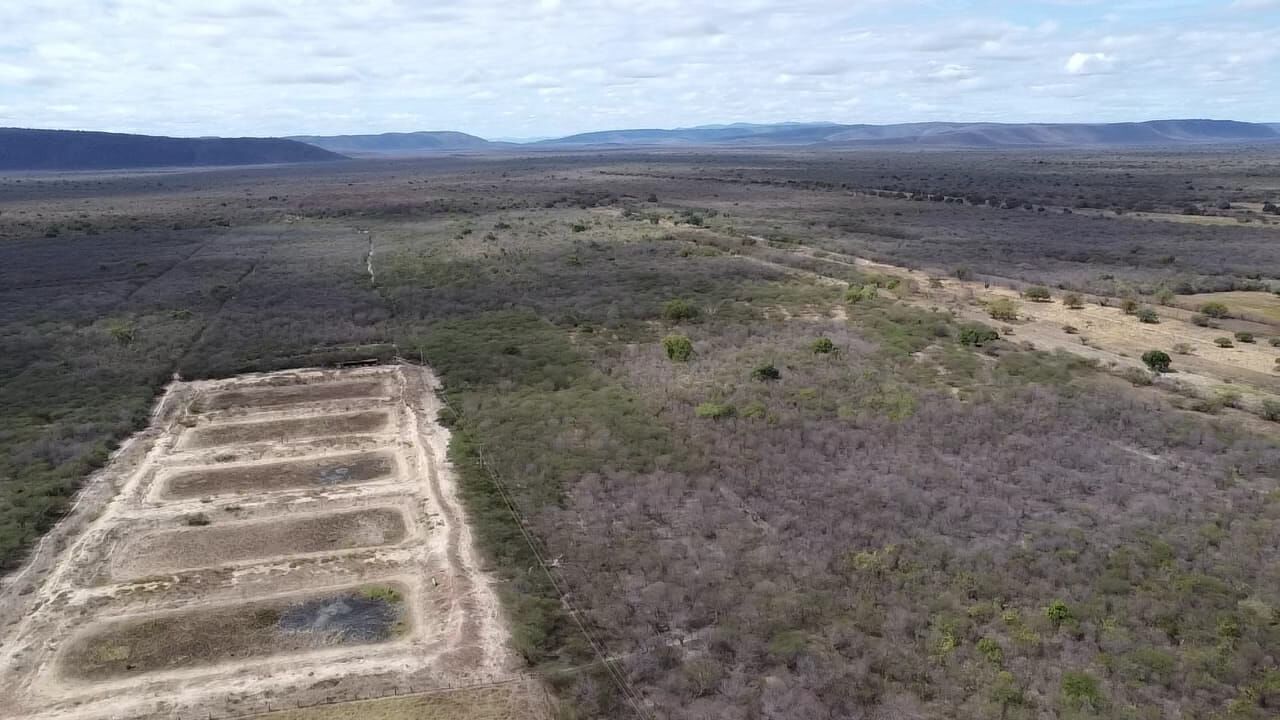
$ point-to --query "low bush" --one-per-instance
(1073, 301)
(715, 411)
(678, 347)
(1003, 309)
(766, 373)
(675, 311)
(1147, 315)
(1080, 691)
(977, 334)
(1244, 337)
(1271, 410)
(1057, 612)
(823, 346)
(1037, 293)
(1137, 376)
(1223, 342)
(991, 650)
(1215, 310)
(858, 293)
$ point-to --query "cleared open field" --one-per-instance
(344, 588)
(285, 430)
(371, 614)
(235, 542)
(1262, 306)
(268, 477)
(266, 396)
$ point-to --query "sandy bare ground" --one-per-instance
(132, 553)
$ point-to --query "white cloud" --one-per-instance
(522, 68)
(1251, 5)
(951, 72)
(1089, 63)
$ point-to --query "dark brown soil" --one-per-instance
(284, 430)
(229, 542)
(274, 395)
(339, 470)
(358, 616)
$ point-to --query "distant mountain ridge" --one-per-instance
(25, 149)
(938, 134)
(399, 143)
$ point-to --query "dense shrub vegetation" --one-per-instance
(930, 522)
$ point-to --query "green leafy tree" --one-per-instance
(1157, 360)
(1244, 337)
(823, 346)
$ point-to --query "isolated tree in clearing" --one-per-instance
(1215, 310)
(1157, 360)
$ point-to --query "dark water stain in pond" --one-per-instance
(334, 475)
(349, 617)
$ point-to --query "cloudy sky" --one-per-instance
(522, 68)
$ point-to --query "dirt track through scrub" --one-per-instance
(293, 536)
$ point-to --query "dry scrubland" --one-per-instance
(776, 480)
